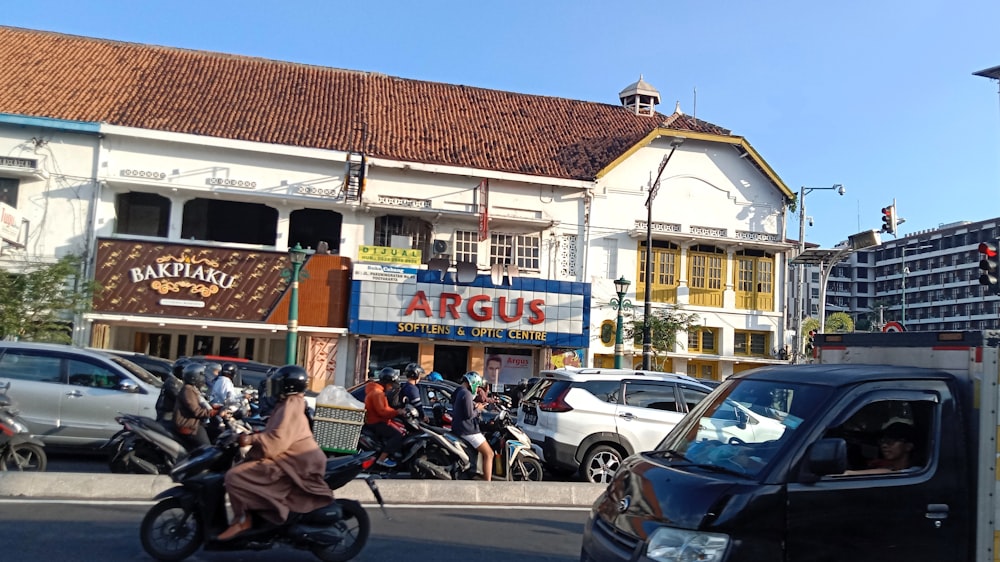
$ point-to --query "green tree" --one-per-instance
(665, 323)
(839, 322)
(38, 302)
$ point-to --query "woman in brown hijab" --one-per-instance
(285, 469)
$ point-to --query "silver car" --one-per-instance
(70, 396)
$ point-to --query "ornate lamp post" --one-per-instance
(620, 304)
(297, 256)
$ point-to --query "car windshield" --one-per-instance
(137, 371)
(741, 428)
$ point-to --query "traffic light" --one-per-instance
(889, 219)
(988, 266)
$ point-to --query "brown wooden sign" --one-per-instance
(187, 280)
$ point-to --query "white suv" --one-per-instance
(591, 419)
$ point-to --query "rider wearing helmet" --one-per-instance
(172, 385)
(465, 419)
(285, 469)
(378, 413)
(212, 371)
(409, 393)
(223, 391)
(191, 409)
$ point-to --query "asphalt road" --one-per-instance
(38, 530)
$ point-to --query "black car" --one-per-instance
(431, 392)
(248, 373)
(156, 365)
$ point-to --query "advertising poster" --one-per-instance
(504, 369)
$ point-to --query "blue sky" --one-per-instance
(878, 96)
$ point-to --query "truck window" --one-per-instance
(886, 436)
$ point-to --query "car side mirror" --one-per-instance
(741, 418)
(128, 386)
(827, 456)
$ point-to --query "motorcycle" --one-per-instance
(449, 457)
(19, 450)
(415, 441)
(177, 525)
(144, 446)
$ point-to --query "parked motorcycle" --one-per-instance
(19, 450)
(144, 446)
(185, 515)
(449, 457)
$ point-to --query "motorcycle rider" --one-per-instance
(285, 466)
(223, 391)
(378, 413)
(212, 371)
(409, 392)
(192, 409)
(465, 419)
(172, 385)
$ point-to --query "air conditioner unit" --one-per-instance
(441, 246)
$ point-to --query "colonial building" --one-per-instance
(443, 224)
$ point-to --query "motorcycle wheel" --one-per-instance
(24, 457)
(433, 456)
(526, 469)
(354, 529)
(170, 532)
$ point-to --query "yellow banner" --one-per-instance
(385, 254)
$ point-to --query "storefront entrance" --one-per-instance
(452, 361)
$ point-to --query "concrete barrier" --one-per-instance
(80, 486)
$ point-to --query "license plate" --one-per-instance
(530, 418)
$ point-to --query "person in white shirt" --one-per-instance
(223, 391)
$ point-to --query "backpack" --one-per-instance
(167, 399)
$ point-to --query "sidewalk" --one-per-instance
(81, 486)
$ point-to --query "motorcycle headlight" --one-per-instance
(668, 544)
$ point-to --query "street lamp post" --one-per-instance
(800, 271)
(905, 272)
(647, 309)
(297, 256)
(620, 304)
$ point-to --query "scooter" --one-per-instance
(415, 441)
(449, 457)
(19, 450)
(177, 525)
(144, 446)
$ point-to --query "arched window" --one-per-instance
(754, 280)
(706, 275)
(143, 214)
(309, 227)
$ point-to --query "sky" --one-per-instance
(878, 96)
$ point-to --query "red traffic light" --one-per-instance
(989, 249)
(887, 211)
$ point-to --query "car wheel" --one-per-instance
(601, 464)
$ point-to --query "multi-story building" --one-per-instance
(927, 280)
(443, 224)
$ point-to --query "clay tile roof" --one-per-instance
(203, 93)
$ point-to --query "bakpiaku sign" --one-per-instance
(138, 277)
(183, 273)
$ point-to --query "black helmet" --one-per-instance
(178, 368)
(413, 371)
(290, 379)
(194, 374)
(228, 370)
(388, 375)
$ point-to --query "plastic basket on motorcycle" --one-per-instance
(337, 429)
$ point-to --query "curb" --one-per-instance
(136, 487)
